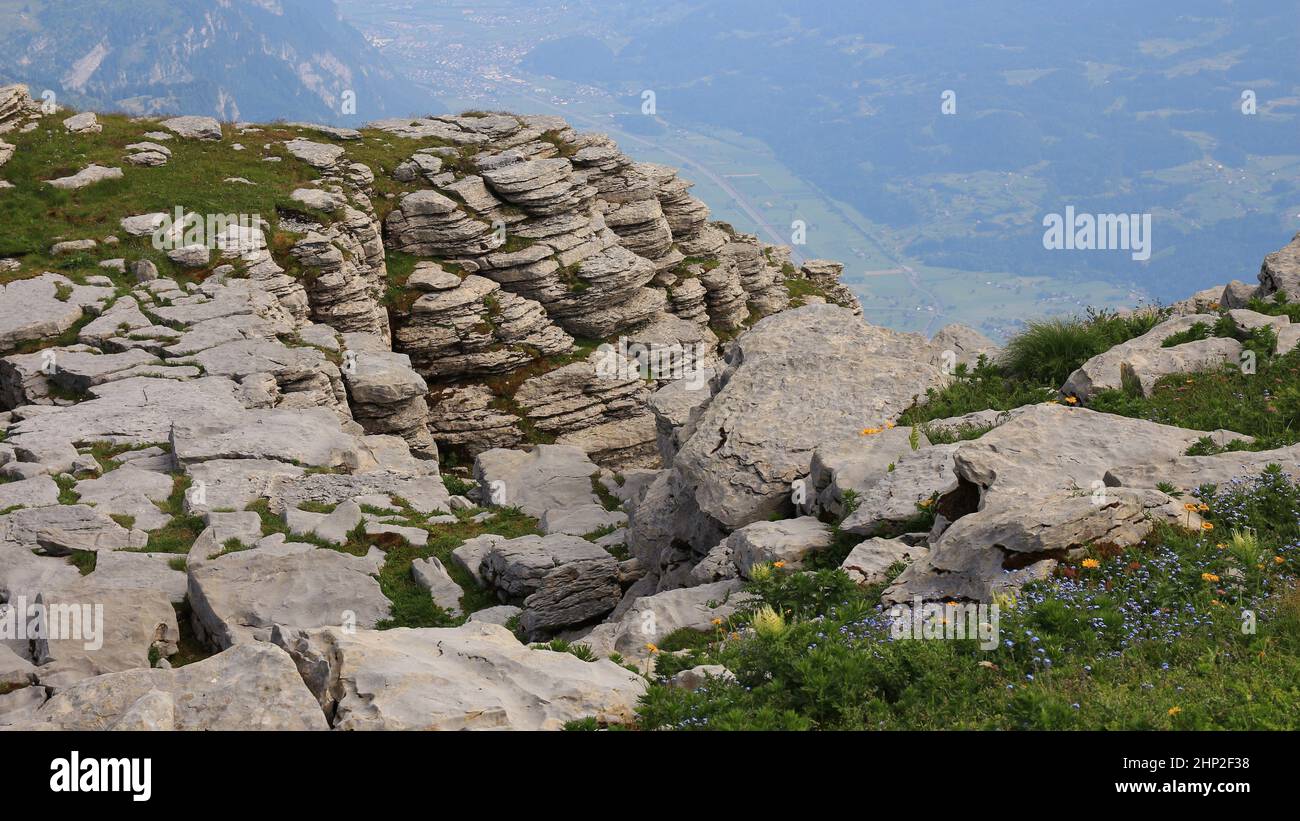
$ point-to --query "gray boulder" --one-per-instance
(240, 596)
(651, 618)
(561, 581)
(548, 476)
(790, 541)
(194, 128)
(1281, 272)
(474, 677)
(127, 624)
(870, 561)
(248, 687)
(798, 380)
(1145, 359)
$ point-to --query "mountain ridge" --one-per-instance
(244, 59)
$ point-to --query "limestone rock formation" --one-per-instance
(754, 439)
(475, 677)
(271, 429)
(248, 687)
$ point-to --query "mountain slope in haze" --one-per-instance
(1108, 106)
(232, 59)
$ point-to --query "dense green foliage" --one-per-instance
(1265, 404)
(1145, 638)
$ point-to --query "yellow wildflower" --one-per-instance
(1091, 564)
(1173, 711)
(1209, 577)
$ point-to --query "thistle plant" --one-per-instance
(767, 622)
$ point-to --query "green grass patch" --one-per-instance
(178, 535)
(83, 560)
(987, 386)
(1049, 350)
(607, 499)
(1265, 404)
(412, 606)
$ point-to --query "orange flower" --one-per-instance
(651, 648)
(1278, 560)
(870, 431)
(1173, 711)
(1207, 527)
(1189, 507)
(1071, 400)
(778, 565)
(1209, 577)
(1091, 564)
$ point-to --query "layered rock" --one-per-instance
(825, 275)
(1034, 490)
(386, 394)
(458, 328)
(581, 241)
(17, 109)
(345, 271)
(560, 581)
